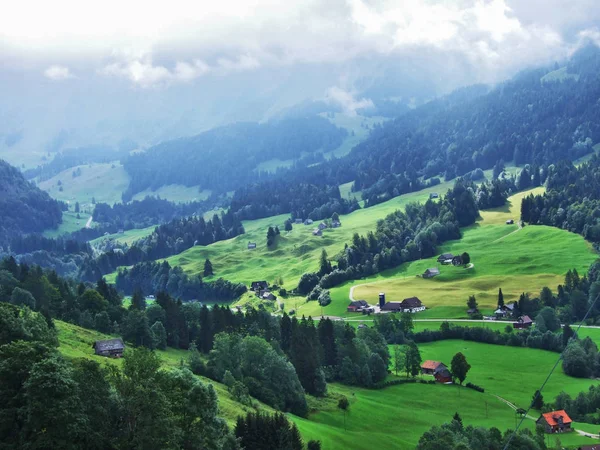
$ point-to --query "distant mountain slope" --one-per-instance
(23, 207)
(527, 120)
(224, 158)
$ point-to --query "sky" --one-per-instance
(334, 50)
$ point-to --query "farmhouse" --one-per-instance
(298, 221)
(438, 370)
(336, 224)
(430, 273)
(412, 304)
(251, 245)
(555, 422)
(392, 306)
(110, 347)
(445, 258)
(322, 226)
(266, 295)
(500, 313)
(523, 322)
(357, 306)
(434, 195)
(308, 222)
(317, 232)
(258, 286)
(510, 222)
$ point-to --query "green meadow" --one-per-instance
(69, 224)
(105, 182)
(128, 236)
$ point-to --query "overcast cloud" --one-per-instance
(162, 43)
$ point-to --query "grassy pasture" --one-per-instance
(101, 181)
(128, 236)
(69, 224)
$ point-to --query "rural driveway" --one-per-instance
(89, 223)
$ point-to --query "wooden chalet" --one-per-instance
(317, 232)
(308, 222)
(336, 224)
(298, 221)
(434, 195)
(432, 272)
(111, 347)
(412, 304)
(258, 286)
(438, 370)
(357, 306)
(523, 322)
(555, 422)
(322, 226)
(510, 222)
(266, 295)
(445, 258)
(251, 245)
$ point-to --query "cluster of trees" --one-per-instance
(402, 236)
(258, 431)
(166, 240)
(455, 435)
(572, 200)
(152, 277)
(140, 214)
(51, 402)
(225, 158)
(23, 207)
(314, 200)
(583, 408)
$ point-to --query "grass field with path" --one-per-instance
(69, 224)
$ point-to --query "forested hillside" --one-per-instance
(224, 159)
(572, 200)
(23, 207)
(529, 119)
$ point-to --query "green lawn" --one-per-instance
(69, 224)
(103, 181)
(128, 236)
(175, 193)
(357, 131)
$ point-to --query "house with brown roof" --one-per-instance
(432, 272)
(438, 370)
(111, 347)
(392, 306)
(523, 322)
(412, 304)
(555, 422)
(357, 306)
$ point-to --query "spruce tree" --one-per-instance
(208, 268)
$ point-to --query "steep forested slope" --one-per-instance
(528, 119)
(23, 207)
(224, 158)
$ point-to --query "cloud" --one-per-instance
(346, 100)
(58, 73)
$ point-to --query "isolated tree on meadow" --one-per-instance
(77, 209)
(472, 303)
(459, 367)
(324, 264)
(398, 359)
(537, 401)
(208, 268)
(335, 217)
(412, 359)
(270, 236)
(465, 258)
(288, 225)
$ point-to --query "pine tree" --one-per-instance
(208, 268)
(138, 300)
(324, 264)
(500, 298)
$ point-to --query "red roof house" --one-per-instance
(429, 367)
(555, 421)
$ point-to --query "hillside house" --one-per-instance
(555, 422)
(317, 232)
(258, 286)
(510, 222)
(251, 245)
(308, 222)
(412, 305)
(445, 258)
(357, 306)
(121, 231)
(500, 313)
(523, 322)
(266, 295)
(111, 347)
(298, 221)
(434, 195)
(432, 272)
(336, 224)
(428, 367)
(322, 226)
(438, 369)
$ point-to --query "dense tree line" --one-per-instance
(583, 408)
(571, 202)
(23, 207)
(455, 434)
(153, 277)
(225, 158)
(141, 214)
(168, 239)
